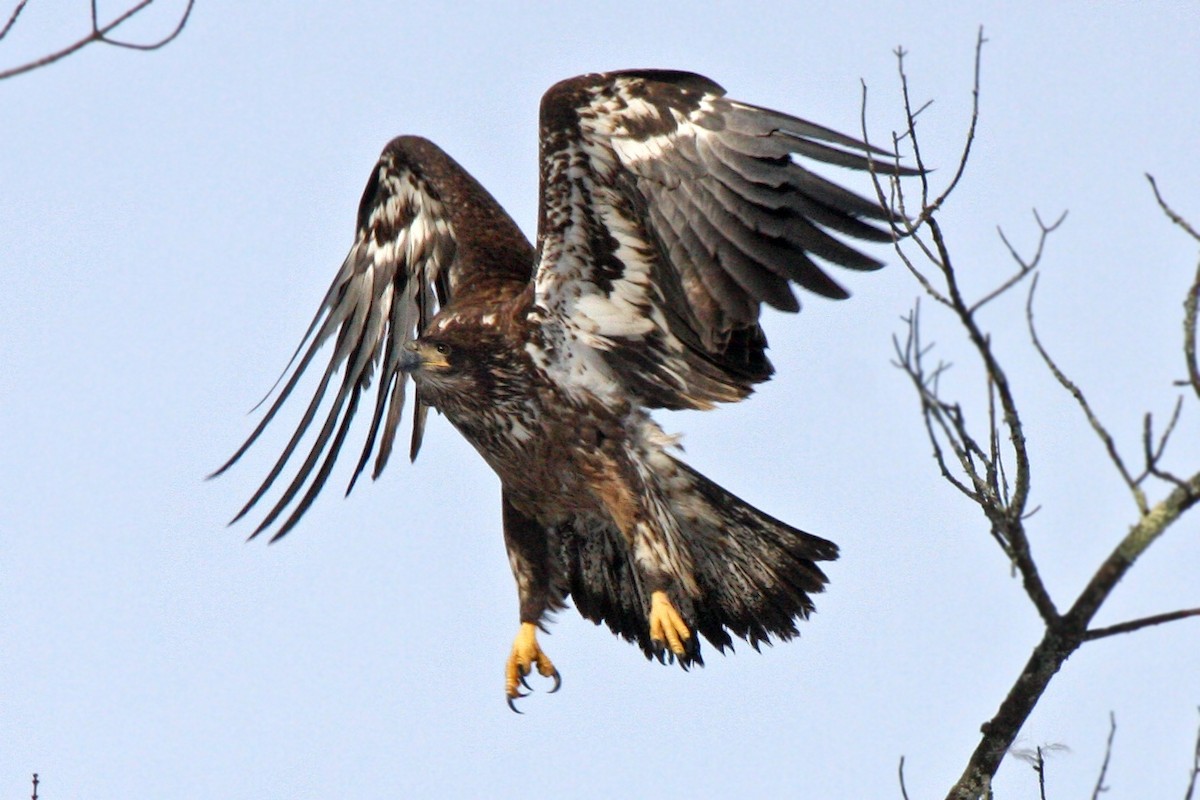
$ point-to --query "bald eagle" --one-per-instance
(668, 215)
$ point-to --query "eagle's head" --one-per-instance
(465, 370)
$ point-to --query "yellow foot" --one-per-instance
(526, 653)
(666, 626)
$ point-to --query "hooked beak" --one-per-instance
(410, 357)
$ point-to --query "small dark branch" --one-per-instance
(942, 421)
(12, 18)
(1192, 301)
(1013, 512)
(1191, 788)
(1112, 732)
(996, 453)
(1138, 624)
(1190, 305)
(99, 33)
(163, 42)
(921, 277)
(35, 785)
(902, 226)
(1026, 267)
(903, 788)
(1153, 453)
(1138, 495)
(966, 154)
(911, 121)
(1170, 212)
(1036, 758)
(1040, 768)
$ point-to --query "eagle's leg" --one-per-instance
(667, 627)
(526, 654)
(528, 547)
(665, 570)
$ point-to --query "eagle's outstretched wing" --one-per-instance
(669, 213)
(408, 260)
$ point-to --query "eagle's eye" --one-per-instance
(442, 348)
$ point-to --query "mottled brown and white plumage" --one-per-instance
(668, 214)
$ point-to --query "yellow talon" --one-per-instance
(526, 654)
(666, 625)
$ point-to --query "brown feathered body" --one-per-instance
(597, 508)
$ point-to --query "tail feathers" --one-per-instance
(754, 574)
(604, 585)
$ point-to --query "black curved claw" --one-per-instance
(526, 685)
(557, 682)
(512, 705)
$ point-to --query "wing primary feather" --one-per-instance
(301, 428)
(758, 121)
(310, 461)
(385, 384)
(322, 475)
(420, 413)
(274, 409)
(350, 340)
(307, 333)
(777, 198)
(389, 428)
(790, 228)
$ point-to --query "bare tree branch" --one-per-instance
(1189, 332)
(1026, 266)
(12, 18)
(1138, 624)
(985, 472)
(1138, 495)
(1170, 212)
(1040, 768)
(1154, 453)
(996, 475)
(99, 33)
(1112, 732)
(1191, 787)
(903, 788)
(1192, 301)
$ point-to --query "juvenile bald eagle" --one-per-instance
(668, 214)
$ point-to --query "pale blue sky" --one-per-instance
(169, 222)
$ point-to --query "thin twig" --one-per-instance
(12, 18)
(1153, 453)
(187, 12)
(1192, 301)
(1025, 267)
(1170, 212)
(1190, 305)
(1112, 732)
(99, 33)
(980, 41)
(1139, 496)
(1195, 769)
(1040, 769)
(903, 788)
(1138, 624)
(902, 227)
